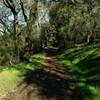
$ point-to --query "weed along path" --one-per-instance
(51, 81)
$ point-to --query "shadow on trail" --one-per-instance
(51, 86)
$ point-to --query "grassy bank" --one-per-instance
(84, 65)
(11, 76)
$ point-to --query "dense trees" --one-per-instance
(77, 22)
(31, 25)
(22, 19)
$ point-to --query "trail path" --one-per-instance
(52, 81)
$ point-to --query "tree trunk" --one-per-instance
(17, 33)
(88, 38)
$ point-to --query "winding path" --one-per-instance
(51, 81)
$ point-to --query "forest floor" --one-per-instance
(11, 76)
(51, 81)
(72, 75)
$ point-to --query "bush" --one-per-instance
(7, 51)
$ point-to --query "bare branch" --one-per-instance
(23, 10)
(5, 3)
(4, 24)
(10, 4)
(1, 31)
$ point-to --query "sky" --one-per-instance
(43, 15)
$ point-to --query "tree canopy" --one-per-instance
(35, 24)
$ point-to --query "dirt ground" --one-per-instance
(51, 81)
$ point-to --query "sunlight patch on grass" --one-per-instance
(82, 56)
(11, 76)
(9, 79)
(97, 96)
(84, 65)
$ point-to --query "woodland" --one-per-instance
(49, 49)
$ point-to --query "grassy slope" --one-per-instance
(84, 64)
(11, 76)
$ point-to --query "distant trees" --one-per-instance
(76, 22)
(31, 25)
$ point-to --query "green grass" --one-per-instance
(84, 65)
(11, 76)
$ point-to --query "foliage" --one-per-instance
(7, 51)
(18, 26)
(11, 76)
(29, 26)
(84, 64)
(75, 23)
(69, 22)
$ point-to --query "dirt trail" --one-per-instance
(51, 81)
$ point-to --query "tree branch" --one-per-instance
(5, 3)
(4, 24)
(23, 10)
(10, 5)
